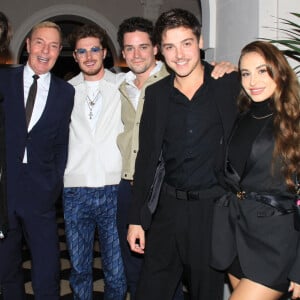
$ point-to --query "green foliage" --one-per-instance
(292, 42)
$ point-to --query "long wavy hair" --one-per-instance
(285, 103)
(5, 32)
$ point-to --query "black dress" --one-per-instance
(253, 227)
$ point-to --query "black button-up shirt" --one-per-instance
(192, 137)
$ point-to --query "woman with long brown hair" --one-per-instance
(255, 232)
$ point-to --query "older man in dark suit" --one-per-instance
(37, 109)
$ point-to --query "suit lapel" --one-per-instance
(232, 178)
(264, 143)
(109, 107)
(52, 95)
(162, 103)
(18, 100)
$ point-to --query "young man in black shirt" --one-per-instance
(187, 115)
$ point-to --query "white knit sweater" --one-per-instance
(94, 159)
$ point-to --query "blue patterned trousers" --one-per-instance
(86, 209)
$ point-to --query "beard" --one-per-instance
(140, 68)
(91, 72)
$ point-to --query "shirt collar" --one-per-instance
(44, 79)
(130, 76)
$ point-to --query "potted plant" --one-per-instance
(292, 40)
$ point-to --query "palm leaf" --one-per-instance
(292, 42)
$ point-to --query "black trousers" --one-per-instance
(33, 218)
(178, 243)
(132, 261)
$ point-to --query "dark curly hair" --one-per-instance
(88, 30)
(135, 24)
(285, 105)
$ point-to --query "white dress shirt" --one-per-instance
(132, 90)
(43, 85)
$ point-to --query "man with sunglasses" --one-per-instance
(94, 167)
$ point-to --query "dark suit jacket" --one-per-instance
(265, 240)
(46, 143)
(153, 122)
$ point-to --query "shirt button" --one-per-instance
(190, 130)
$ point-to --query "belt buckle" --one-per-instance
(192, 196)
(241, 195)
(181, 195)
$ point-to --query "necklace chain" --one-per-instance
(262, 117)
(91, 103)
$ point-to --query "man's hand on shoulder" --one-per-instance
(222, 68)
(136, 238)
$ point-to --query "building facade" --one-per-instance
(227, 24)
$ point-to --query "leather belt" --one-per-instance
(191, 195)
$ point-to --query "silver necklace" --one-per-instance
(91, 103)
(262, 117)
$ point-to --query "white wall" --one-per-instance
(271, 13)
(239, 22)
(236, 25)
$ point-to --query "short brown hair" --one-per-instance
(88, 30)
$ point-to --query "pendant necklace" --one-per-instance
(91, 103)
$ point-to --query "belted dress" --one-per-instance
(253, 223)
